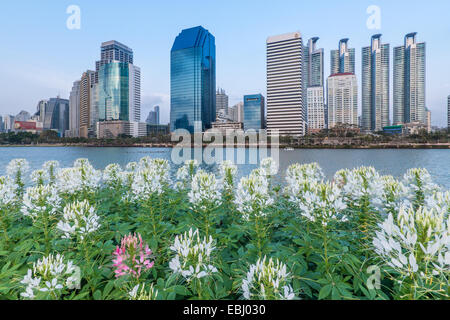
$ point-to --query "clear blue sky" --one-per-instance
(40, 57)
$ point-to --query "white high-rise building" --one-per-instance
(316, 109)
(314, 83)
(285, 110)
(342, 100)
(448, 112)
(221, 104)
(8, 123)
(375, 85)
(74, 111)
(236, 112)
(409, 81)
(135, 94)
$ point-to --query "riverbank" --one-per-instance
(280, 146)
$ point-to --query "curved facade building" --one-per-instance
(113, 100)
(193, 80)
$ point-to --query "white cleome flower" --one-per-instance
(192, 256)
(79, 219)
(267, 280)
(322, 202)
(419, 186)
(252, 195)
(48, 275)
(131, 166)
(17, 168)
(439, 201)
(416, 243)
(40, 177)
(301, 178)
(139, 292)
(205, 191)
(394, 195)
(269, 166)
(51, 168)
(113, 176)
(301, 173)
(40, 200)
(227, 171)
(185, 174)
(8, 189)
(150, 180)
(82, 177)
(361, 185)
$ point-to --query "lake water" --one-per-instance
(393, 162)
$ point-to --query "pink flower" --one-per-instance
(132, 257)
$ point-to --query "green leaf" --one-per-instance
(325, 292)
(109, 286)
(97, 295)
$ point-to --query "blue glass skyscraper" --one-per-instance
(193, 80)
(254, 112)
(114, 92)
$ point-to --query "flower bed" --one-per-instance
(138, 233)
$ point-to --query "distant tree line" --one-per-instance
(341, 136)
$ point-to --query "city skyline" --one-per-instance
(239, 72)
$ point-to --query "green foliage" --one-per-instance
(325, 260)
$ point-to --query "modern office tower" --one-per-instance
(134, 109)
(343, 60)
(119, 96)
(314, 84)
(113, 92)
(409, 81)
(254, 106)
(9, 123)
(193, 80)
(285, 110)
(56, 115)
(342, 100)
(448, 112)
(40, 110)
(314, 60)
(221, 103)
(2, 126)
(113, 51)
(153, 116)
(86, 85)
(94, 108)
(375, 85)
(236, 112)
(316, 109)
(74, 111)
(23, 116)
(428, 119)
(157, 112)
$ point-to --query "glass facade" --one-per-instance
(314, 75)
(57, 115)
(342, 60)
(193, 80)
(409, 81)
(375, 85)
(113, 92)
(254, 112)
